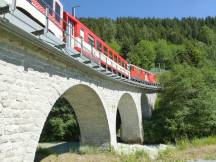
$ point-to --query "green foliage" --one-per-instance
(106, 28)
(191, 54)
(207, 35)
(115, 46)
(187, 105)
(165, 53)
(143, 54)
(61, 124)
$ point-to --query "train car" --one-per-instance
(90, 45)
(152, 78)
(83, 39)
(36, 10)
(139, 74)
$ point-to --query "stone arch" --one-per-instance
(146, 107)
(91, 115)
(130, 121)
(90, 112)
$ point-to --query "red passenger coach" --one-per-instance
(90, 43)
(152, 78)
(139, 74)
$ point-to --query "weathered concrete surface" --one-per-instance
(148, 102)
(32, 80)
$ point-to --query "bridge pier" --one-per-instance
(131, 132)
(32, 79)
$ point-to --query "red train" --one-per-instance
(92, 43)
(139, 74)
(83, 39)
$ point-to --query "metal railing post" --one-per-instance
(92, 52)
(106, 64)
(116, 69)
(68, 37)
(128, 68)
(81, 46)
(47, 20)
(121, 73)
(99, 61)
(13, 5)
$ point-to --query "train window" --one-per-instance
(42, 3)
(119, 61)
(47, 3)
(82, 34)
(57, 12)
(123, 65)
(91, 40)
(99, 46)
(111, 55)
(115, 58)
(105, 51)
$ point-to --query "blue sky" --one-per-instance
(143, 8)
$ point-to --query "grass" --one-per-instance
(139, 156)
(90, 154)
(185, 143)
(93, 150)
(183, 151)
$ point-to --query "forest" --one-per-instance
(185, 50)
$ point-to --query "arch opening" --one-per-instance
(61, 124)
(90, 119)
(129, 127)
(118, 126)
(91, 115)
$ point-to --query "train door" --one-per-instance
(71, 33)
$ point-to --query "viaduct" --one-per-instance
(33, 76)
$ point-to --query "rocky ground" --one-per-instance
(151, 150)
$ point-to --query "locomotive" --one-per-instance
(84, 40)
